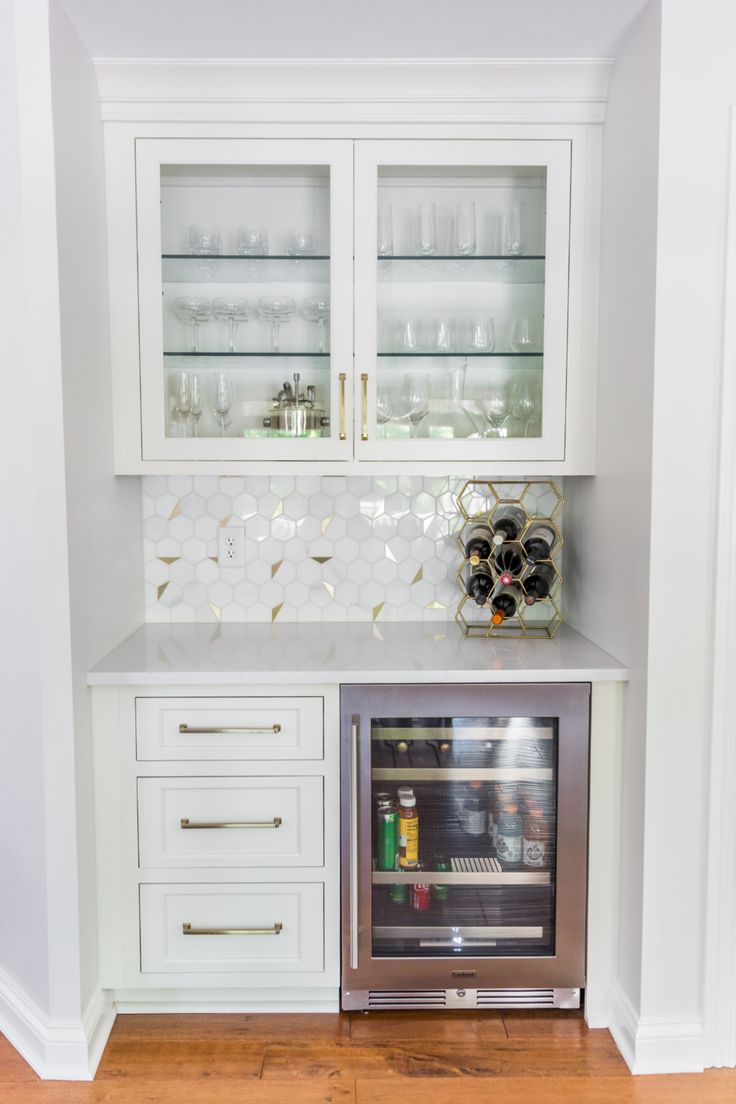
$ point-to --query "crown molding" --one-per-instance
(350, 90)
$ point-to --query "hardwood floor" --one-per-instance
(382, 1058)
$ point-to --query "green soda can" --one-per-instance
(400, 893)
(387, 836)
(442, 892)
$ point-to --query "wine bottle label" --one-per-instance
(533, 852)
(508, 848)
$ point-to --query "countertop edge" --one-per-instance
(310, 678)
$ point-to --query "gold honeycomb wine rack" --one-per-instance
(541, 501)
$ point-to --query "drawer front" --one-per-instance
(229, 728)
(226, 822)
(259, 928)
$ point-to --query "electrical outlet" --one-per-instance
(231, 546)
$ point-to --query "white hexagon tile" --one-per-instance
(316, 549)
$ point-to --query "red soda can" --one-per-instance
(421, 896)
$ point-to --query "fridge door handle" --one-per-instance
(354, 732)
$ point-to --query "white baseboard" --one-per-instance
(56, 1051)
(658, 1045)
(226, 1000)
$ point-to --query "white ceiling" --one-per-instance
(351, 28)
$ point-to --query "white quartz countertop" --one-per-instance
(230, 655)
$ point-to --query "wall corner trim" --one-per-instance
(656, 1045)
(56, 1051)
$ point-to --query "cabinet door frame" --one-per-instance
(556, 156)
(150, 154)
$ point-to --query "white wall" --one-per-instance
(607, 519)
(104, 513)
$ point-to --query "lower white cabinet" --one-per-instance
(217, 816)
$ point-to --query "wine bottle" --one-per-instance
(538, 583)
(480, 584)
(538, 542)
(509, 564)
(508, 522)
(505, 603)
(479, 544)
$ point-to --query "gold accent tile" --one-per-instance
(435, 605)
(321, 559)
(378, 635)
(176, 511)
(418, 577)
(275, 567)
(377, 609)
(215, 559)
(225, 521)
(390, 555)
(279, 510)
(216, 610)
(169, 559)
(327, 522)
(276, 610)
(329, 588)
(161, 589)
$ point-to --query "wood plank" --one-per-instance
(12, 1066)
(420, 1058)
(545, 1024)
(402, 1027)
(189, 1059)
(711, 1087)
(266, 1026)
(131, 1090)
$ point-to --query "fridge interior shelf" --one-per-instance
(511, 731)
(462, 774)
(445, 936)
(448, 877)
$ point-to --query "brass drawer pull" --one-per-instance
(364, 430)
(342, 377)
(185, 729)
(187, 823)
(187, 929)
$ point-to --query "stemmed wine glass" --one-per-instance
(525, 400)
(415, 391)
(196, 402)
(193, 311)
(318, 310)
(233, 311)
(384, 405)
(222, 400)
(495, 402)
(183, 398)
(276, 309)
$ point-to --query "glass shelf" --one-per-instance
(204, 354)
(474, 269)
(228, 268)
(461, 257)
(463, 355)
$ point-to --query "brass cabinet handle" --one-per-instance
(187, 929)
(364, 430)
(185, 729)
(187, 823)
(342, 377)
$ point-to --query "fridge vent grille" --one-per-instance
(412, 998)
(515, 998)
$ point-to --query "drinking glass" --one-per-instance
(318, 310)
(233, 311)
(522, 337)
(408, 335)
(525, 403)
(481, 335)
(193, 312)
(222, 400)
(385, 242)
(512, 243)
(415, 390)
(463, 244)
(196, 402)
(204, 238)
(301, 243)
(183, 398)
(384, 405)
(443, 335)
(495, 402)
(251, 241)
(276, 309)
(425, 238)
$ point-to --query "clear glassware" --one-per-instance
(301, 242)
(205, 239)
(415, 392)
(233, 311)
(318, 311)
(525, 403)
(222, 400)
(495, 402)
(251, 241)
(183, 398)
(385, 238)
(384, 405)
(523, 335)
(408, 335)
(512, 241)
(194, 312)
(480, 335)
(463, 243)
(196, 402)
(442, 335)
(275, 310)
(425, 237)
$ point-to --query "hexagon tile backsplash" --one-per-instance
(316, 549)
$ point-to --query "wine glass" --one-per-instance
(318, 310)
(204, 239)
(196, 402)
(193, 312)
(425, 240)
(463, 244)
(252, 241)
(385, 240)
(301, 243)
(525, 400)
(384, 405)
(233, 311)
(415, 389)
(222, 400)
(183, 398)
(481, 335)
(495, 402)
(276, 309)
(408, 338)
(443, 335)
(523, 337)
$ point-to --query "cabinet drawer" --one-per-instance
(229, 728)
(226, 822)
(232, 928)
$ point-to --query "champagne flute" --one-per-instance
(463, 244)
(196, 403)
(222, 401)
(415, 391)
(425, 241)
(233, 311)
(525, 403)
(385, 238)
(183, 398)
(513, 244)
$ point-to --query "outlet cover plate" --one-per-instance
(231, 546)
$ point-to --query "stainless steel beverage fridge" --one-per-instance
(464, 845)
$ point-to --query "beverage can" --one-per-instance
(421, 896)
(387, 833)
(441, 892)
(399, 893)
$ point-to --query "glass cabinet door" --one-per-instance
(461, 299)
(245, 298)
